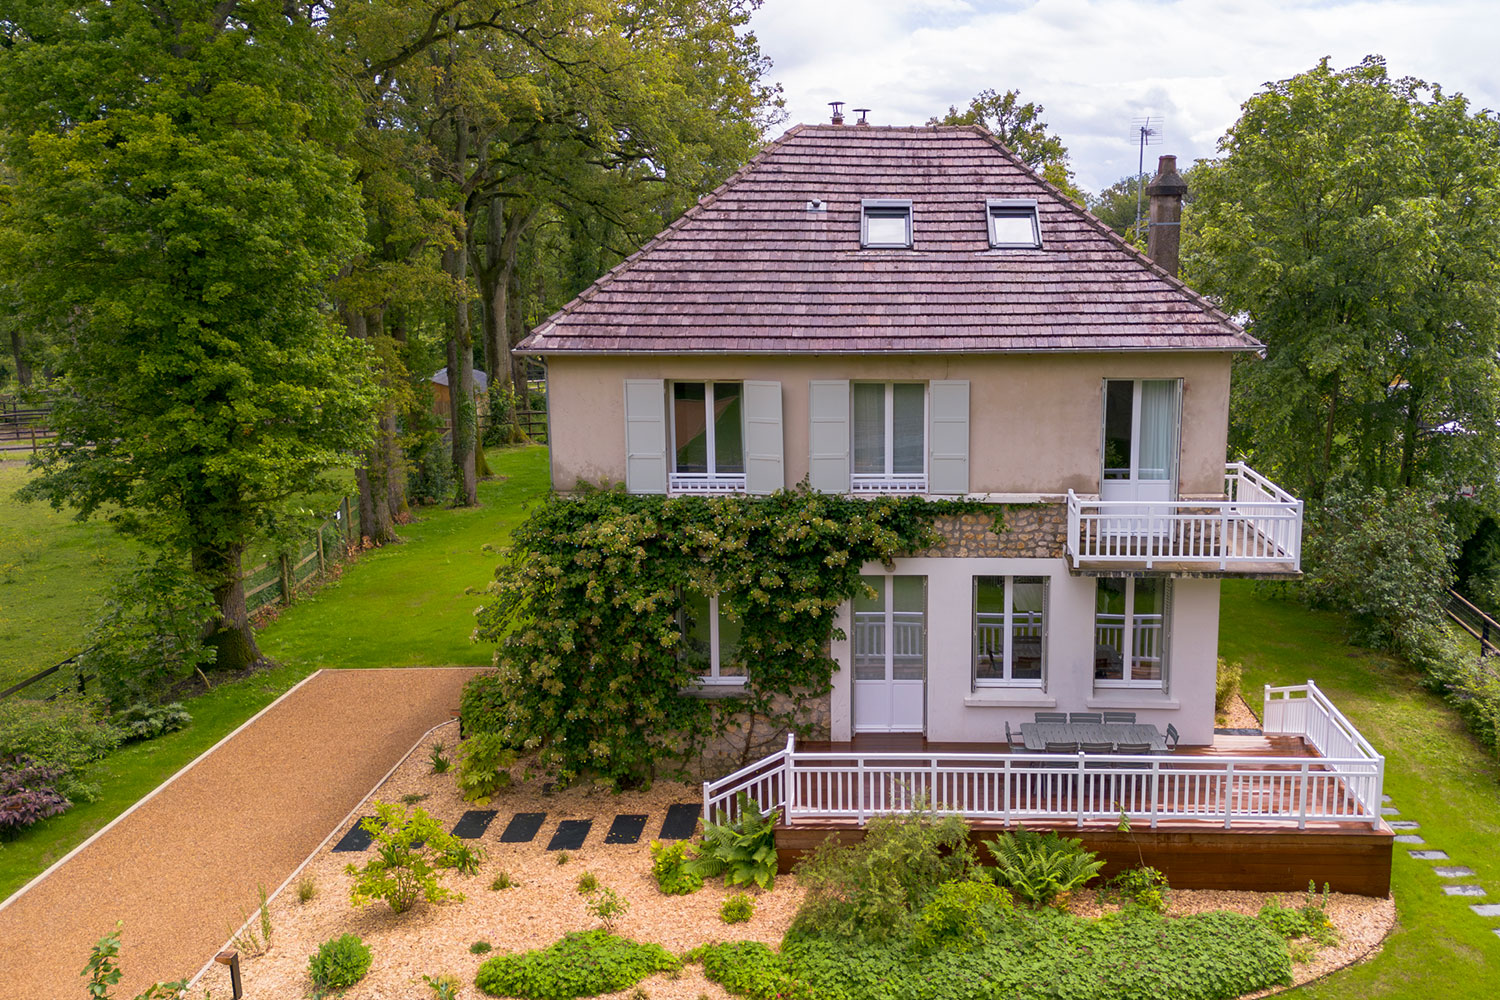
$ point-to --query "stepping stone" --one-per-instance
(1409, 838)
(626, 829)
(1428, 855)
(1464, 890)
(1454, 871)
(522, 827)
(1486, 909)
(1405, 824)
(1385, 798)
(681, 822)
(570, 835)
(357, 839)
(472, 824)
(1389, 811)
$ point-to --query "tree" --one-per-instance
(1021, 128)
(1353, 221)
(178, 211)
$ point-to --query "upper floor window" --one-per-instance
(885, 224)
(708, 436)
(1010, 629)
(710, 640)
(1014, 224)
(889, 437)
(1130, 632)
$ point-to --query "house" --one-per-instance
(881, 310)
(442, 396)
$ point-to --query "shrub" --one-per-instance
(959, 913)
(28, 794)
(67, 733)
(871, 889)
(607, 905)
(743, 850)
(1226, 685)
(482, 766)
(409, 848)
(1039, 867)
(588, 882)
(737, 909)
(480, 948)
(747, 969)
(142, 722)
(669, 868)
(306, 889)
(501, 881)
(150, 634)
(443, 985)
(1145, 887)
(440, 763)
(581, 964)
(339, 963)
(563, 857)
(462, 858)
(1310, 920)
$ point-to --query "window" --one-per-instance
(1013, 224)
(1140, 429)
(1130, 633)
(708, 437)
(889, 437)
(1010, 630)
(885, 224)
(710, 640)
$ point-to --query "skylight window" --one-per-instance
(1013, 224)
(885, 225)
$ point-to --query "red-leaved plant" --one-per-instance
(28, 793)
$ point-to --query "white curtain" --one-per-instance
(1158, 455)
(869, 428)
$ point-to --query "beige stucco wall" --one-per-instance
(1034, 420)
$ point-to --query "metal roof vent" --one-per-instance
(838, 111)
(817, 205)
(863, 116)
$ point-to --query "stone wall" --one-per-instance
(726, 751)
(1031, 531)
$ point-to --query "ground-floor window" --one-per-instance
(1130, 634)
(1010, 630)
(710, 640)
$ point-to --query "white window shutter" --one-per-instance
(948, 437)
(828, 436)
(645, 435)
(764, 471)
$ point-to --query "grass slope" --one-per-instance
(1436, 774)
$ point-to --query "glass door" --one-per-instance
(1141, 418)
(890, 655)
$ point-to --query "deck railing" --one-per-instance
(1257, 522)
(1342, 786)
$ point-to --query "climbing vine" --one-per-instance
(586, 614)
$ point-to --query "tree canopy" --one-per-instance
(1021, 128)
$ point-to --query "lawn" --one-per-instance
(347, 623)
(1435, 772)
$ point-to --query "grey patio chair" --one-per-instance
(1013, 739)
(1097, 747)
(1061, 747)
(1133, 748)
(1172, 737)
(1061, 717)
(1093, 717)
(1126, 717)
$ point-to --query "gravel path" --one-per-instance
(181, 871)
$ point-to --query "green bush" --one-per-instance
(142, 722)
(1310, 920)
(409, 849)
(748, 969)
(743, 850)
(582, 964)
(872, 888)
(737, 909)
(480, 948)
(669, 868)
(66, 734)
(483, 767)
(588, 882)
(339, 963)
(1226, 685)
(960, 913)
(150, 634)
(1145, 887)
(462, 858)
(28, 795)
(607, 905)
(1039, 867)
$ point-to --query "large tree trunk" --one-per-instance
(461, 379)
(375, 522)
(1409, 438)
(18, 352)
(231, 638)
(515, 324)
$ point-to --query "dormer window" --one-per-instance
(885, 224)
(1013, 224)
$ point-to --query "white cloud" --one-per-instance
(1096, 64)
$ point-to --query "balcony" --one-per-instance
(1255, 531)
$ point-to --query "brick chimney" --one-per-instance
(1164, 238)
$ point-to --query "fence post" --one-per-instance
(322, 565)
(1228, 793)
(286, 579)
(1078, 790)
(348, 527)
(1302, 805)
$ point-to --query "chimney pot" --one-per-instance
(863, 116)
(1164, 237)
(838, 111)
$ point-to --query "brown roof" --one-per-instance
(749, 270)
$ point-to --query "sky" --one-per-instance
(1097, 66)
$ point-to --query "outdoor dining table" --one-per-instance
(1038, 734)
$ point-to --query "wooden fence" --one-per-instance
(277, 580)
(23, 425)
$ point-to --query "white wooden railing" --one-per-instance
(882, 483)
(697, 483)
(1344, 786)
(1257, 522)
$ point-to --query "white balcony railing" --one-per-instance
(699, 483)
(1257, 523)
(1343, 787)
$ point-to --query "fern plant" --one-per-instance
(743, 850)
(1039, 867)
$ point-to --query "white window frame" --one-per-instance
(1013, 207)
(1127, 639)
(715, 661)
(710, 481)
(1007, 624)
(888, 481)
(883, 206)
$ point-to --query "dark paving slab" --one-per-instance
(1486, 909)
(626, 829)
(1405, 824)
(1464, 890)
(522, 827)
(1409, 838)
(472, 824)
(357, 839)
(1429, 855)
(681, 822)
(570, 835)
(1453, 871)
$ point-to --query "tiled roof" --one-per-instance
(750, 270)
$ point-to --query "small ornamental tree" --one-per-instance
(410, 847)
(588, 609)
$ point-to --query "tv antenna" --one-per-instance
(1146, 132)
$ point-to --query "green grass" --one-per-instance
(1436, 774)
(352, 622)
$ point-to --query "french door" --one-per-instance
(890, 655)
